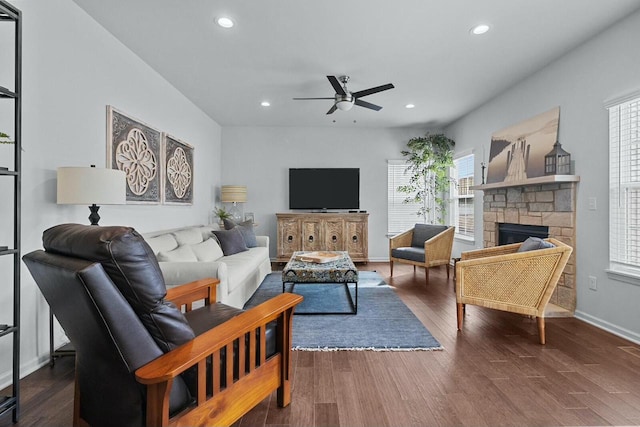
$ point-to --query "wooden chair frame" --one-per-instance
(225, 405)
(437, 250)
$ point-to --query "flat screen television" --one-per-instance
(324, 188)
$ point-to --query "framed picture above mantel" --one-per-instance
(518, 152)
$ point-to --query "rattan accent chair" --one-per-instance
(504, 279)
(423, 245)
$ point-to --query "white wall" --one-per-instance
(260, 158)
(73, 68)
(579, 83)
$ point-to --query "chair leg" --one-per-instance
(447, 271)
(77, 420)
(541, 332)
(391, 267)
(426, 274)
(459, 314)
(285, 332)
(414, 269)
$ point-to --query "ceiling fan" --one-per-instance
(344, 99)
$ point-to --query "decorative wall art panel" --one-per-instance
(177, 188)
(517, 152)
(135, 148)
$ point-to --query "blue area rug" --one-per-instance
(383, 322)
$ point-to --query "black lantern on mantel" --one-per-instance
(558, 161)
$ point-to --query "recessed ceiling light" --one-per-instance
(265, 103)
(225, 22)
(409, 106)
(480, 29)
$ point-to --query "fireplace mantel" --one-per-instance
(549, 179)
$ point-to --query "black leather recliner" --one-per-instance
(136, 362)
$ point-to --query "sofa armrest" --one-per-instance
(178, 273)
(263, 241)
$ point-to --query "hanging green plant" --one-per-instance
(5, 139)
(429, 159)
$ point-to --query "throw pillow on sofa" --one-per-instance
(246, 228)
(231, 241)
(207, 251)
(188, 236)
(180, 254)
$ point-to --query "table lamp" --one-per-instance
(234, 194)
(91, 186)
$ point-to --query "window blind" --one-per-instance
(624, 184)
(401, 216)
(462, 195)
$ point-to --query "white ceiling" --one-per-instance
(280, 49)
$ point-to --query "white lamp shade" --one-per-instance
(233, 193)
(87, 186)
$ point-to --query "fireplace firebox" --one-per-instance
(516, 233)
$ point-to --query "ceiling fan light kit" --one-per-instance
(344, 100)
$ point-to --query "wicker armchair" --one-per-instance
(424, 245)
(503, 279)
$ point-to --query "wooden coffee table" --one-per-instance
(300, 271)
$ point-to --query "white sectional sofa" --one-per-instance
(240, 274)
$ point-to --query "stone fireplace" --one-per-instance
(547, 202)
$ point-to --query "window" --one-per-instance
(462, 195)
(624, 184)
(401, 216)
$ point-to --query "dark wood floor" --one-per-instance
(493, 373)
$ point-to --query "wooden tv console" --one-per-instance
(323, 232)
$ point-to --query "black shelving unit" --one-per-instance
(9, 15)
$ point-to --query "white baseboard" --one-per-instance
(609, 327)
(379, 259)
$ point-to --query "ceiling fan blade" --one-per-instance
(332, 109)
(369, 105)
(336, 85)
(372, 90)
(297, 99)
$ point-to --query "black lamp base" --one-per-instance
(94, 217)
